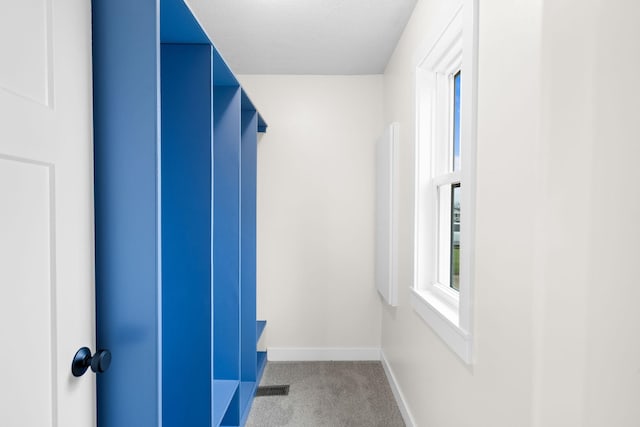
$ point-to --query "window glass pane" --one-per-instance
(444, 235)
(455, 237)
(456, 121)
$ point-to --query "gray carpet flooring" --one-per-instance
(331, 394)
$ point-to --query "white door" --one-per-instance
(46, 213)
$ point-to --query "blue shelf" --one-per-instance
(260, 325)
(186, 232)
(247, 391)
(223, 391)
(262, 363)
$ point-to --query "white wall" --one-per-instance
(440, 390)
(556, 285)
(587, 317)
(316, 212)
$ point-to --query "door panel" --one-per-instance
(25, 296)
(46, 213)
(25, 48)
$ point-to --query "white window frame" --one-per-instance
(447, 311)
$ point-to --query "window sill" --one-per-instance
(444, 320)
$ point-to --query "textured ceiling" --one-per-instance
(304, 36)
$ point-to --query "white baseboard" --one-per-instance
(397, 393)
(306, 354)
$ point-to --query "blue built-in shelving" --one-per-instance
(248, 324)
(186, 232)
(226, 241)
(175, 213)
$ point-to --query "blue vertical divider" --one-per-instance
(186, 234)
(226, 239)
(127, 212)
(174, 141)
(248, 332)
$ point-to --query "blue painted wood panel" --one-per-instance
(226, 239)
(247, 393)
(226, 234)
(222, 76)
(126, 134)
(186, 234)
(248, 331)
(262, 363)
(260, 325)
(223, 393)
(178, 25)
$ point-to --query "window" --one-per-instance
(447, 182)
(445, 165)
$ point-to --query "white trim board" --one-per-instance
(397, 393)
(307, 354)
(386, 215)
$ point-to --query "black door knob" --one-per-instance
(99, 362)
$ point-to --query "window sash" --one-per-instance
(448, 312)
(444, 233)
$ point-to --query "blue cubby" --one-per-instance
(175, 212)
(248, 322)
(186, 232)
(260, 325)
